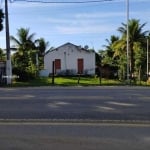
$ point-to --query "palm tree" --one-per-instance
(1, 19)
(24, 44)
(107, 59)
(136, 38)
(24, 41)
(109, 47)
(109, 51)
(41, 47)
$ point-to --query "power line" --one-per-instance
(62, 2)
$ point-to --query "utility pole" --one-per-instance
(147, 57)
(127, 40)
(8, 61)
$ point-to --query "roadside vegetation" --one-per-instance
(111, 61)
(74, 81)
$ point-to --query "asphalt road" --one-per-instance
(63, 136)
(64, 118)
(76, 103)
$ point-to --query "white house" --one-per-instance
(70, 59)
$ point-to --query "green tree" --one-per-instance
(24, 58)
(108, 60)
(1, 19)
(136, 38)
(109, 57)
(140, 61)
(2, 55)
(41, 47)
(119, 48)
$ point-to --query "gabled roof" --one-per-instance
(68, 43)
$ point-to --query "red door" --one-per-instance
(57, 65)
(80, 66)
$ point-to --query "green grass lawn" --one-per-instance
(67, 81)
(73, 81)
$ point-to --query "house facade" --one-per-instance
(69, 59)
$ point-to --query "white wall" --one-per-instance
(69, 54)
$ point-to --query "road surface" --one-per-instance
(63, 136)
(64, 118)
(84, 103)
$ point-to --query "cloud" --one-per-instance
(84, 18)
(140, 14)
(100, 15)
(84, 23)
(56, 20)
(70, 19)
(85, 29)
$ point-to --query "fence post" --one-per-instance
(53, 68)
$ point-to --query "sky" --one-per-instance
(81, 23)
